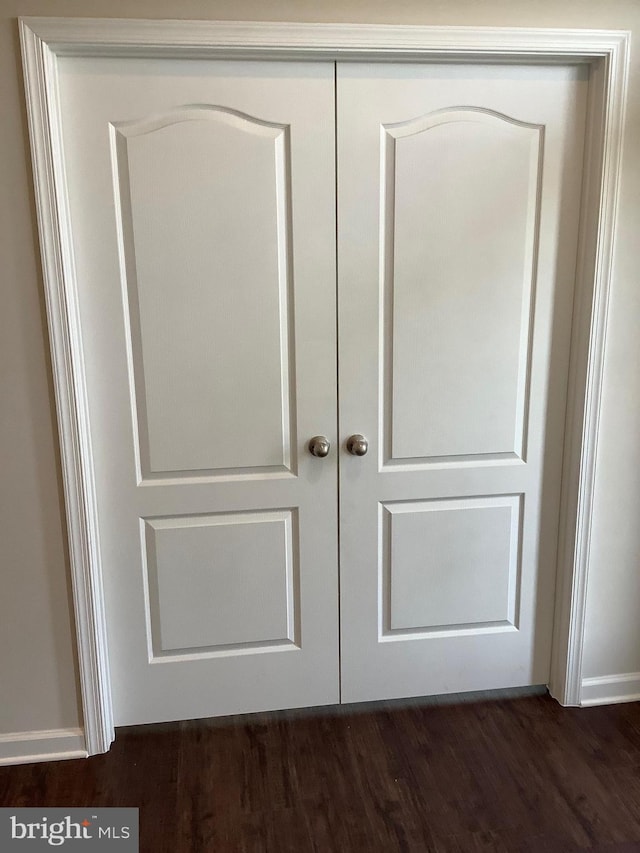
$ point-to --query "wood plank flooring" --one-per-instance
(503, 775)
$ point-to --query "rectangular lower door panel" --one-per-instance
(237, 586)
(449, 566)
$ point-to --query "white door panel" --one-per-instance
(203, 205)
(457, 210)
(184, 233)
(468, 319)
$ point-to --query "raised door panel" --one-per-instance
(450, 566)
(458, 198)
(460, 205)
(204, 222)
(202, 199)
(237, 588)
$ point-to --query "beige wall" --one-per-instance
(37, 666)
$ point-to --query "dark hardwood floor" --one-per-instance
(520, 774)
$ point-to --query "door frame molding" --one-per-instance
(43, 40)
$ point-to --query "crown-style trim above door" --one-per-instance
(46, 39)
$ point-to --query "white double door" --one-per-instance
(270, 251)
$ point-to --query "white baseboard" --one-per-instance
(50, 745)
(608, 689)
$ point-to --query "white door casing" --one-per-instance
(46, 40)
(458, 202)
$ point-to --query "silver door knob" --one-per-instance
(319, 446)
(357, 445)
